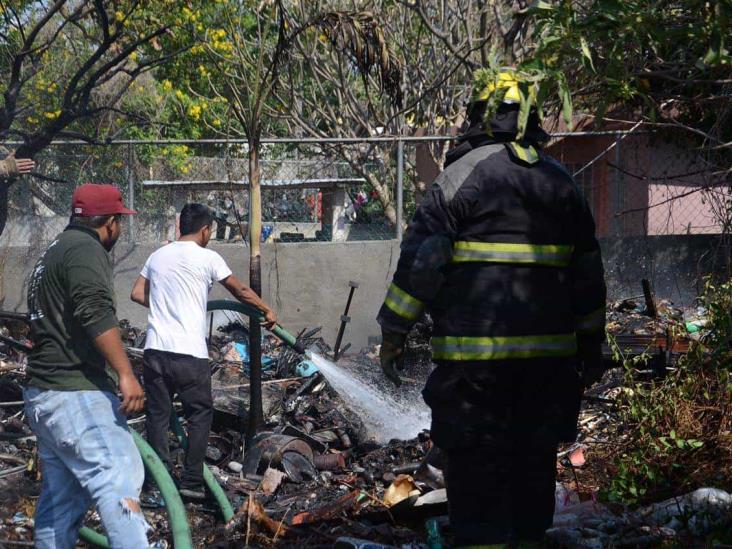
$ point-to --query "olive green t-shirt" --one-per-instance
(70, 302)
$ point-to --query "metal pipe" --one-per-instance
(400, 190)
(648, 296)
(130, 194)
(345, 319)
(618, 194)
(312, 140)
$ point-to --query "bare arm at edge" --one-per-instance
(246, 295)
(141, 291)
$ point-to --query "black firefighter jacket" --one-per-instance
(502, 253)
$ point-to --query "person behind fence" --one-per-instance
(77, 363)
(502, 253)
(174, 283)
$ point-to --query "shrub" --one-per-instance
(674, 434)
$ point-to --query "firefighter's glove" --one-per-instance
(591, 365)
(392, 355)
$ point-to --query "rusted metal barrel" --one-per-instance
(329, 462)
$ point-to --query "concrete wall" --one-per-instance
(676, 265)
(308, 282)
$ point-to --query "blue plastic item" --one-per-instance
(243, 349)
(434, 538)
(306, 368)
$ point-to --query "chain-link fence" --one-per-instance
(350, 190)
(645, 184)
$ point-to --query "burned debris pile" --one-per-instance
(314, 475)
(317, 476)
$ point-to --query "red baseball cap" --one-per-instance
(93, 199)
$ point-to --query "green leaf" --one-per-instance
(711, 58)
(524, 109)
(541, 96)
(586, 52)
(537, 6)
(566, 98)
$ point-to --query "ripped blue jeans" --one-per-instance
(87, 457)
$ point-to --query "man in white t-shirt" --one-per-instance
(174, 284)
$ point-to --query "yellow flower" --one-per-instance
(167, 85)
(179, 94)
(217, 122)
(133, 56)
(194, 111)
(222, 45)
(52, 115)
(32, 120)
(119, 16)
(185, 169)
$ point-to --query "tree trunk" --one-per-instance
(383, 191)
(256, 418)
(386, 197)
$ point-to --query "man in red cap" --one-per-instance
(76, 366)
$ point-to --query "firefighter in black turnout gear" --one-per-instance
(502, 253)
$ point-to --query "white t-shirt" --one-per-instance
(181, 275)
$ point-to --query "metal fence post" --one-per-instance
(400, 190)
(618, 194)
(130, 193)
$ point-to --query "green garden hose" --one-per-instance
(242, 308)
(95, 538)
(173, 503)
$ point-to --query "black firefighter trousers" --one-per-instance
(166, 374)
(499, 424)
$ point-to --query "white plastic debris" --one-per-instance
(699, 511)
(235, 467)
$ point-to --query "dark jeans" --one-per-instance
(166, 374)
(499, 424)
